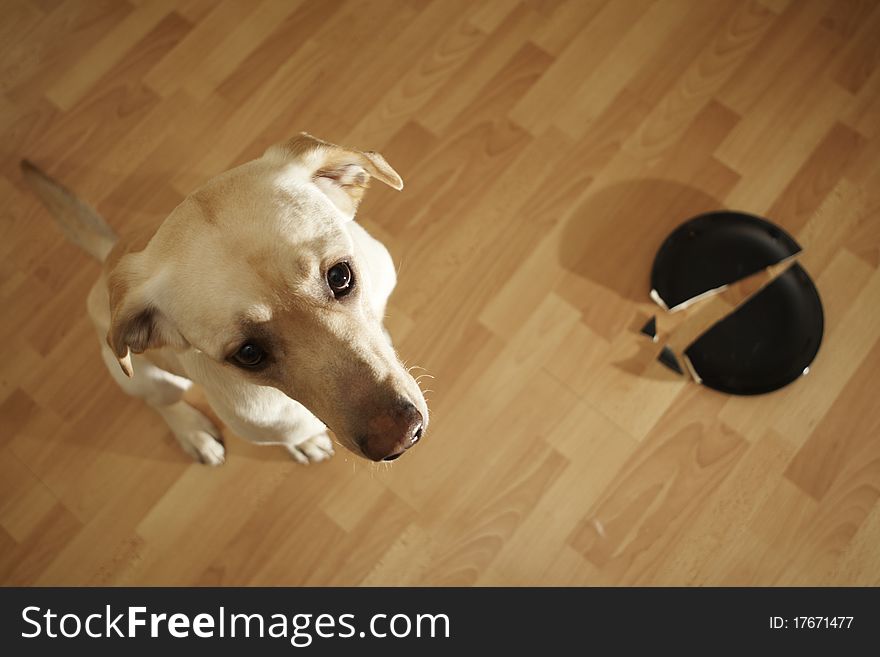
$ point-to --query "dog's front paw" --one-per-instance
(312, 450)
(203, 447)
(196, 434)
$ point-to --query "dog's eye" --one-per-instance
(249, 355)
(340, 279)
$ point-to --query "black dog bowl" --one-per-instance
(771, 339)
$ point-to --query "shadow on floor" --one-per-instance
(611, 240)
(613, 235)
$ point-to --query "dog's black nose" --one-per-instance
(393, 432)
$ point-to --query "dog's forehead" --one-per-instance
(260, 213)
(263, 194)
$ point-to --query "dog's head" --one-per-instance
(258, 278)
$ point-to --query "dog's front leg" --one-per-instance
(314, 449)
(264, 415)
(303, 435)
(163, 391)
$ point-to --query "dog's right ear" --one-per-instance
(136, 322)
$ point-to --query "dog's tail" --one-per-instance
(82, 225)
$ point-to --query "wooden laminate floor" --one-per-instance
(547, 148)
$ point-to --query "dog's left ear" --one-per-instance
(136, 322)
(343, 174)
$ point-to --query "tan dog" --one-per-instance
(262, 289)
